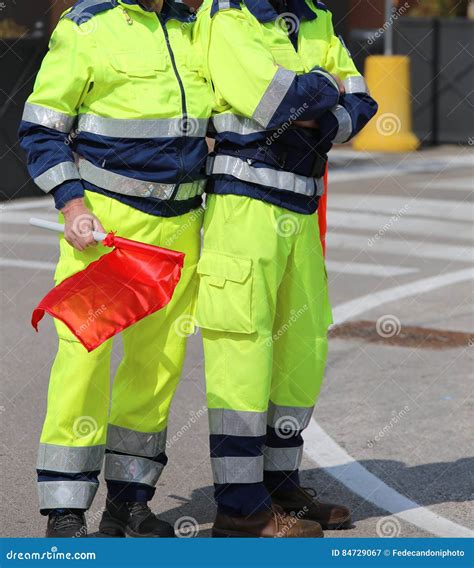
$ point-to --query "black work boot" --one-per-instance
(133, 519)
(65, 523)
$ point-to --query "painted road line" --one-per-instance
(29, 264)
(401, 247)
(439, 208)
(22, 218)
(353, 308)
(29, 238)
(46, 202)
(454, 184)
(366, 269)
(376, 222)
(335, 461)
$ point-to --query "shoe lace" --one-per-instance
(69, 521)
(139, 508)
(282, 519)
(310, 492)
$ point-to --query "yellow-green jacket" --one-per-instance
(121, 107)
(269, 68)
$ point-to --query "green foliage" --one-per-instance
(440, 8)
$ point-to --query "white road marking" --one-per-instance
(33, 203)
(400, 247)
(384, 170)
(448, 209)
(454, 184)
(354, 308)
(28, 238)
(22, 218)
(30, 264)
(365, 269)
(375, 222)
(335, 461)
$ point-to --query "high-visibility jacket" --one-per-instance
(121, 107)
(268, 70)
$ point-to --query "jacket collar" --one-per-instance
(265, 12)
(172, 9)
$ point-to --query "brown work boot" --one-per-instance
(274, 523)
(303, 503)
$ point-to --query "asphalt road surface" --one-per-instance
(390, 435)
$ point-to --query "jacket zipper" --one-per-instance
(183, 97)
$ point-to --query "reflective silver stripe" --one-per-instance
(289, 418)
(237, 422)
(139, 188)
(282, 459)
(132, 469)
(224, 4)
(48, 117)
(237, 124)
(328, 76)
(124, 128)
(79, 13)
(273, 96)
(135, 443)
(355, 84)
(278, 179)
(66, 494)
(70, 460)
(345, 124)
(237, 470)
(57, 175)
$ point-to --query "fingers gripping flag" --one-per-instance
(114, 292)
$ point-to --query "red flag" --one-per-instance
(117, 290)
(322, 213)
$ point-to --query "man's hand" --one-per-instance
(79, 224)
(340, 84)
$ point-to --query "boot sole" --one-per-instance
(217, 533)
(341, 526)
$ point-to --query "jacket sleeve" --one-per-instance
(246, 76)
(356, 108)
(50, 112)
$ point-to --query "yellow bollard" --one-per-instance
(388, 78)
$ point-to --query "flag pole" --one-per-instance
(58, 228)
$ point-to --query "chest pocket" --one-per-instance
(134, 64)
(287, 57)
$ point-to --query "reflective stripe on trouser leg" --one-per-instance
(66, 494)
(134, 457)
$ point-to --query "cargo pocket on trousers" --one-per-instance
(225, 293)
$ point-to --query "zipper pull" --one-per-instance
(127, 17)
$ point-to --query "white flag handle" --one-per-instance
(52, 226)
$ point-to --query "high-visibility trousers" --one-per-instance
(78, 428)
(264, 311)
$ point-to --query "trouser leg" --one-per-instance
(72, 443)
(303, 315)
(146, 380)
(236, 303)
